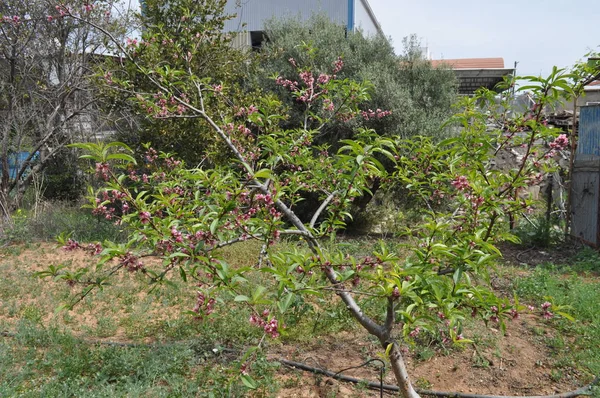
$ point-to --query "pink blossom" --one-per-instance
(271, 328)
(415, 332)
(328, 105)
(461, 183)
(338, 65)
(102, 170)
(145, 217)
(71, 245)
(561, 142)
(323, 78)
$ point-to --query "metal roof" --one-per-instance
(474, 73)
(470, 63)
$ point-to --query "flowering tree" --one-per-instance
(185, 215)
(46, 95)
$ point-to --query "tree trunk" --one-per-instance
(400, 372)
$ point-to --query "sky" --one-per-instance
(536, 34)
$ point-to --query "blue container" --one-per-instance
(15, 161)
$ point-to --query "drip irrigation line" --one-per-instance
(585, 390)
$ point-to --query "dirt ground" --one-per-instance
(516, 364)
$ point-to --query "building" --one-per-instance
(474, 73)
(251, 16)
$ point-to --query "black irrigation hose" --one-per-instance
(585, 390)
(571, 394)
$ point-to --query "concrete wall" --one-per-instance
(590, 96)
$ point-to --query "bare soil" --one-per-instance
(519, 363)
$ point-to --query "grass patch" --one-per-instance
(577, 344)
(52, 363)
(54, 218)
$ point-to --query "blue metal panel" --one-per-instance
(350, 15)
(589, 130)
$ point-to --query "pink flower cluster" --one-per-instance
(145, 217)
(494, 318)
(203, 306)
(71, 245)
(461, 183)
(131, 262)
(102, 170)
(111, 197)
(415, 332)
(15, 19)
(291, 85)
(328, 105)
(269, 326)
(93, 248)
(561, 142)
(338, 65)
(545, 312)
(246, 111)
(151, 155)
(374, 114)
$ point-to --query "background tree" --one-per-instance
(418, 96)
(187, 34)
(46, 95)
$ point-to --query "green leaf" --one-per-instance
(121, 156)
(284, 304)
(566, 316)
(264, 173)
(241, 298)
(249, 382)
(213, 226)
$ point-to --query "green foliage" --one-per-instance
(538, 232)
(186, 34)
(418, 95)
(55, 218)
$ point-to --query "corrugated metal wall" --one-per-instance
(585, 190)
(242, 41)
(585, 187)
(253, 13)
(589, 130)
